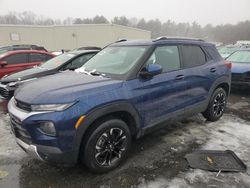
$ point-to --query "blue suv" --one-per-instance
(125, 91)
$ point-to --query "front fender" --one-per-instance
(102, 111)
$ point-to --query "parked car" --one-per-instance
(240, 68)
(4, 49)
(228, 50)
(66, 61)
(123, 92)
(14, 61)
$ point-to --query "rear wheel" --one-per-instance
(216, 106)
(107, 145)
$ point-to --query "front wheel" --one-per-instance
(216, 106)
(107, 145)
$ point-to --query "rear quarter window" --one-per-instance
(193, 56)
(213, 53)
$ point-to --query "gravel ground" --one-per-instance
(156, 160)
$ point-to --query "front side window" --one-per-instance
(240, 56)
(115, 60)
(17, 58)
(193, 56)
(167, 57)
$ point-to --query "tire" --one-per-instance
(106, 146)
(216, 106)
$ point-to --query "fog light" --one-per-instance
(47, 128)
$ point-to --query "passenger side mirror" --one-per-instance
(151, 70)
(3, 63)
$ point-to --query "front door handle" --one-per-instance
(213, 70)
(179, 77)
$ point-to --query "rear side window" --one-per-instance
(213, 52)
(193, 56)
(36, 57)
(17, 59)
(167, 57)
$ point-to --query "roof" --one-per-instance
(162, 40)
(25, 51)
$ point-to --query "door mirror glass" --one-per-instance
(154, 69)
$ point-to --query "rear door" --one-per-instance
(196, 64)
(15, 63)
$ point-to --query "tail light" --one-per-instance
(228, 64)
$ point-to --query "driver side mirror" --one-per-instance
(3, 63)
(151, 70)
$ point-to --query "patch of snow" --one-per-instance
(229, 133)
(239, 105)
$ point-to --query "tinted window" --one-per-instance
(213, 52)
(36, 57)
(193, 56)
(167, 57)
(17, 58)
(78, 62)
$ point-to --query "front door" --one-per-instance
(163, 95)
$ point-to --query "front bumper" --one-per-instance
(38, 146)
(30, 149)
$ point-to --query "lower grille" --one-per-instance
(4, 92)
(18, 130)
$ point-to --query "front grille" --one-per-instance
(18, 130)
(23, 106)
(4, 92)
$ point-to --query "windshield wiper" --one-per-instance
(92, 72)
(96, 73)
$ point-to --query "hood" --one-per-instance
(240, 67)
(63, 88)
(25, 74)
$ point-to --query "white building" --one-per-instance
(68, 37)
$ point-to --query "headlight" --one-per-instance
(51, 107)
(47, 128)
(13, 84)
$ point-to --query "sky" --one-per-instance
(202, 11)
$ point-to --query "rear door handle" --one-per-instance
(213, 70)
(179, 77)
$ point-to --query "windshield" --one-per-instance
(228, 50)
(240, 56)
(57, 61)
(115, 60)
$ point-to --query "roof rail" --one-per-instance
(176, 38)
(120, 40)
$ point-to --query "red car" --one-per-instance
(14, 61)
